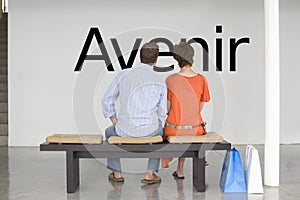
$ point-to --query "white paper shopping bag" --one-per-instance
(253, 171)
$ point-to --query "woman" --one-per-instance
(187, 92)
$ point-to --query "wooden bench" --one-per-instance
(161, 150)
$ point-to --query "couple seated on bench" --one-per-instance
(146, 99)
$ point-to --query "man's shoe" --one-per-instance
(155, 179)
(112, 177)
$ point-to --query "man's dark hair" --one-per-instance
(183, 53)
(149, 53)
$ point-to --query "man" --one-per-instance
(143, 99)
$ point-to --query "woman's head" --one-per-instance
(183, 53)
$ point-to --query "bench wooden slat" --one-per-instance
(140, 140)
(210, 137)
(75, 139)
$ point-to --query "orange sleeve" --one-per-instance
(205, 95)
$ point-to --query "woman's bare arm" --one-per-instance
(169, 105)
(201, 105)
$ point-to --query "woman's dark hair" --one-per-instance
(149, 53)
(183, 53)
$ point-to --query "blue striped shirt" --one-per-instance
(143, 99)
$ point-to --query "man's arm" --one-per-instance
(113, 120)
(109, 98)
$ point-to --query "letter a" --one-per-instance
(83, 55)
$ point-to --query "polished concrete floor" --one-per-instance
(27, 173)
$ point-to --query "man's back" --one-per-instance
(142, 96)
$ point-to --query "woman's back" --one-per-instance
(185, 94)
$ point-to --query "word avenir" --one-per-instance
(94, 32)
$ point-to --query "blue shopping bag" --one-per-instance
(233, 177)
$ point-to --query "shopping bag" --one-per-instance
(232, 176)
(253, 171)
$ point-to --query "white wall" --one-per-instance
(290, 82)
(46, 38)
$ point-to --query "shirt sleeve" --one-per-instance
(110, 97)
(205, 95)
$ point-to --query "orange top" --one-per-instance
(186, 94)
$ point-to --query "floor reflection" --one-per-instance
(73, 196)
(235, 196)
(4, 183)
(179, 183)
(151, 191)
(116, 193)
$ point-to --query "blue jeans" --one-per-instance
(114, 164)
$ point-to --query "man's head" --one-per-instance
(183, 53)
(149, 53)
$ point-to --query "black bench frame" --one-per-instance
(163, 150)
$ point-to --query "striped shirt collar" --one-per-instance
(144, 66)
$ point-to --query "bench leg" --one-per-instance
(72, 172)
(199, 173)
